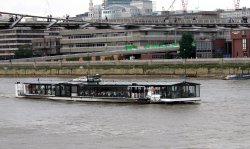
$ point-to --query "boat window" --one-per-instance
(62, 88)
(57, 90)
(48, 90)
(178, 93)
(39, 89)
(31, 89)
(74, 89)
(67, 90)
(112, 91)
(197, 90)
(163, 92)
(174, 88)
(92, 91)
(81, 90)
(53, 89)
(168, 91)
(157, 90)
(27, 88)
(87, 91)
(137, 92)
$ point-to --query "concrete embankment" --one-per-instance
(171, 68)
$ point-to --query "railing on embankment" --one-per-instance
(171, 67)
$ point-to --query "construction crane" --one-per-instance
(171, 6)
(236, 4)
(183, 2)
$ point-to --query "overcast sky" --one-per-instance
(72, 7)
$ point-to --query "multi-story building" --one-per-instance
(120, 11)
(90, 40)
(108, 3)
(46, 46)
(115, 9)
(241, 43)
(204, 48)
(210, 42)
(210, 48)
(145, 6)
(239, 13)
(12, 39)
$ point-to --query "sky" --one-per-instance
(60, 8)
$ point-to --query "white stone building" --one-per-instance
(120, 9)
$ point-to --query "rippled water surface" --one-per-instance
(222, 120)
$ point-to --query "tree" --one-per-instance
(120, 57)
(24, 51)
(187, 49)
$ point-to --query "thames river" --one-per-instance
(221, 120)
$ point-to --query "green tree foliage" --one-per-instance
(98, 58)
(72, 59)
(88, 58)
(23, 51)
(187, 49)
(120, 57)
(109, 58)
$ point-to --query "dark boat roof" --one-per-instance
(117, 83)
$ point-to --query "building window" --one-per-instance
(244, 43)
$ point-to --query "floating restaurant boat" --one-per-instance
(94, 89)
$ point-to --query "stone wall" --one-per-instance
(173, 70)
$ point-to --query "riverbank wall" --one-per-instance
(171, 68)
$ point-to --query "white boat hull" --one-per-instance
(111, 100)
(194, 99)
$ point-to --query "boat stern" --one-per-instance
(19, 90)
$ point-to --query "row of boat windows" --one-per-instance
(114, 91)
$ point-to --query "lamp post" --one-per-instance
(185, 69)
(175, 37)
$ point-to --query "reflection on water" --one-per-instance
(220, 121)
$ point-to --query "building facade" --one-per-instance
(210, 43)
(205, 48)
(240, 43)
(211, 48)
(145, 6)
(120, 11)
(239, 13)
(116, 9)
(46, 46)
(108, 3)
(12, 39)
(90, 40)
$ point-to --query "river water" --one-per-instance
(221, 120)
